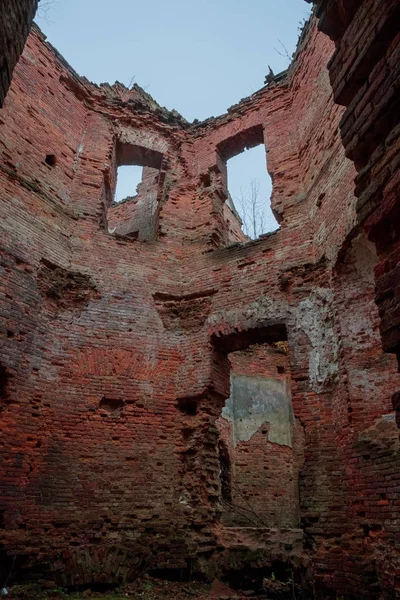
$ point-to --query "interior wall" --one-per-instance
(327, 176)
(366, 424)
(85, 373)
(115, 346)
(364, 73)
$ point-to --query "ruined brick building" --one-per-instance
(172, 396)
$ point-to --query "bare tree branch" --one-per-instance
(131, 82)
(45, 7)
(253, 210)
(283, 51)
(243, 211)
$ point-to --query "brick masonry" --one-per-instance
(364, 72)
(16, 21)
(117, 323)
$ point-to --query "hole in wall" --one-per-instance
(16, 569)
(396, 406)
(257, 579)
(188, 405)
(112, 406)
(50, 160)
(250, 188)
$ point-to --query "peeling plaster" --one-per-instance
(315, 319)
(258, 400)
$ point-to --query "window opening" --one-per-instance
(128, 179)
(133, 211)
(250, 189)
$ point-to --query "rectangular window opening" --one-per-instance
(128, 179)
(133, 213)
(250, 188)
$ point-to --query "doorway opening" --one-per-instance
(259, 440)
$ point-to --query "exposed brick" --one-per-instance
(16, 21)
(117, 322)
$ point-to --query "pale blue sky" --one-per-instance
(197, 57)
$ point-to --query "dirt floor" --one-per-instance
(146, 589)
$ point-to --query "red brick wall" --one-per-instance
(367, 434)
(16, 21)
(364, 72)
(113, 349)
(327, 175)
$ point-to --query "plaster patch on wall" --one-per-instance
(257, 400)
(266, 307)
(315, 318)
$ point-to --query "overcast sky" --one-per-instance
(197, 56)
